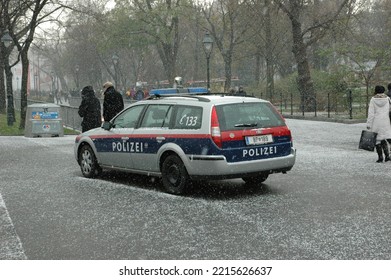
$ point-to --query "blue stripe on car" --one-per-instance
(196, 146)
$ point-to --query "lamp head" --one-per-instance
(6, 39)
(208, 43)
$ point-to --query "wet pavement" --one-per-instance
(334, 204)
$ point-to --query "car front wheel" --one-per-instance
(88, 163)
(174, 175)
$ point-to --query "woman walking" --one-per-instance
(378, 121)
(89, 109)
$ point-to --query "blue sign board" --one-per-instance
(44, 115)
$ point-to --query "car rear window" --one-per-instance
(248, 115)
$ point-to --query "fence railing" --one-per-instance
(351, 105)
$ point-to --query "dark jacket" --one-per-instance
(89, 109)
(240, 92)
(113, 103)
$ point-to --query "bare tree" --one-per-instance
(2, 58)
(269, 38)
(160, 20)
(364, 48)
(22, 21)
(228, 25)
(305, 34)
(11, 14)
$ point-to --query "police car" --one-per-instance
(188, 134)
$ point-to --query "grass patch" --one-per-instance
(14, 130)
(68, 131)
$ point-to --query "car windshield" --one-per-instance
(248, 115)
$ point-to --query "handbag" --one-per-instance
(367, 140)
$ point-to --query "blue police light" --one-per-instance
(193, 90)
(198, 90)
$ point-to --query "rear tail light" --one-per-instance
(215, 129)
(290, 134)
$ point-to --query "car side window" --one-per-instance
(157, 116)
(188, 117)
(129, 118)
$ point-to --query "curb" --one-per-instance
(326, 119)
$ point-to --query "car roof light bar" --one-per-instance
(191, 90)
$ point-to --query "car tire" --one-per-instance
(88, 163)
(174, 175)
(253, 180)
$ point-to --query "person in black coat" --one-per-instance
(240, 92)
(389, 90)
(113, 102)
(89, 109)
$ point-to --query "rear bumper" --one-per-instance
(218, 167)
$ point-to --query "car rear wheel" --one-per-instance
(88, 163)
(174, 175)
(253, 180)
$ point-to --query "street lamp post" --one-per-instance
(7, 40)
(36, 83)
(91, 75)
(208, 46)
(115, 59)
(77, 76)
(53, 86)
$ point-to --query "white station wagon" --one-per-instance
(186, 136)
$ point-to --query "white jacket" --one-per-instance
(378, 117)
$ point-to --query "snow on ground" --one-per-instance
(10, 245)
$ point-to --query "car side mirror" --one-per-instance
(107, 125)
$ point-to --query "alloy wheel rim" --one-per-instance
(86, 162)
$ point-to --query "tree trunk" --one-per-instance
(269, 55)
(23, 91)
(168, 59)
(228, 71)
(305, 84)
(10, 94)
(196, 75)
(2, 90)
(257, 71)
(168, 50)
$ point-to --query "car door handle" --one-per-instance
(160, 138)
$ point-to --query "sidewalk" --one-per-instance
(323, 117)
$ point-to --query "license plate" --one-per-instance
(259, 139)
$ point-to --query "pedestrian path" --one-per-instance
(61, 101)
(10, 245)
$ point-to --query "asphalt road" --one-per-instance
(334, 204)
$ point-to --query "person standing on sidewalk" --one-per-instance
(378, 121)
(89, 109)
(389, 90)
(113, 102)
